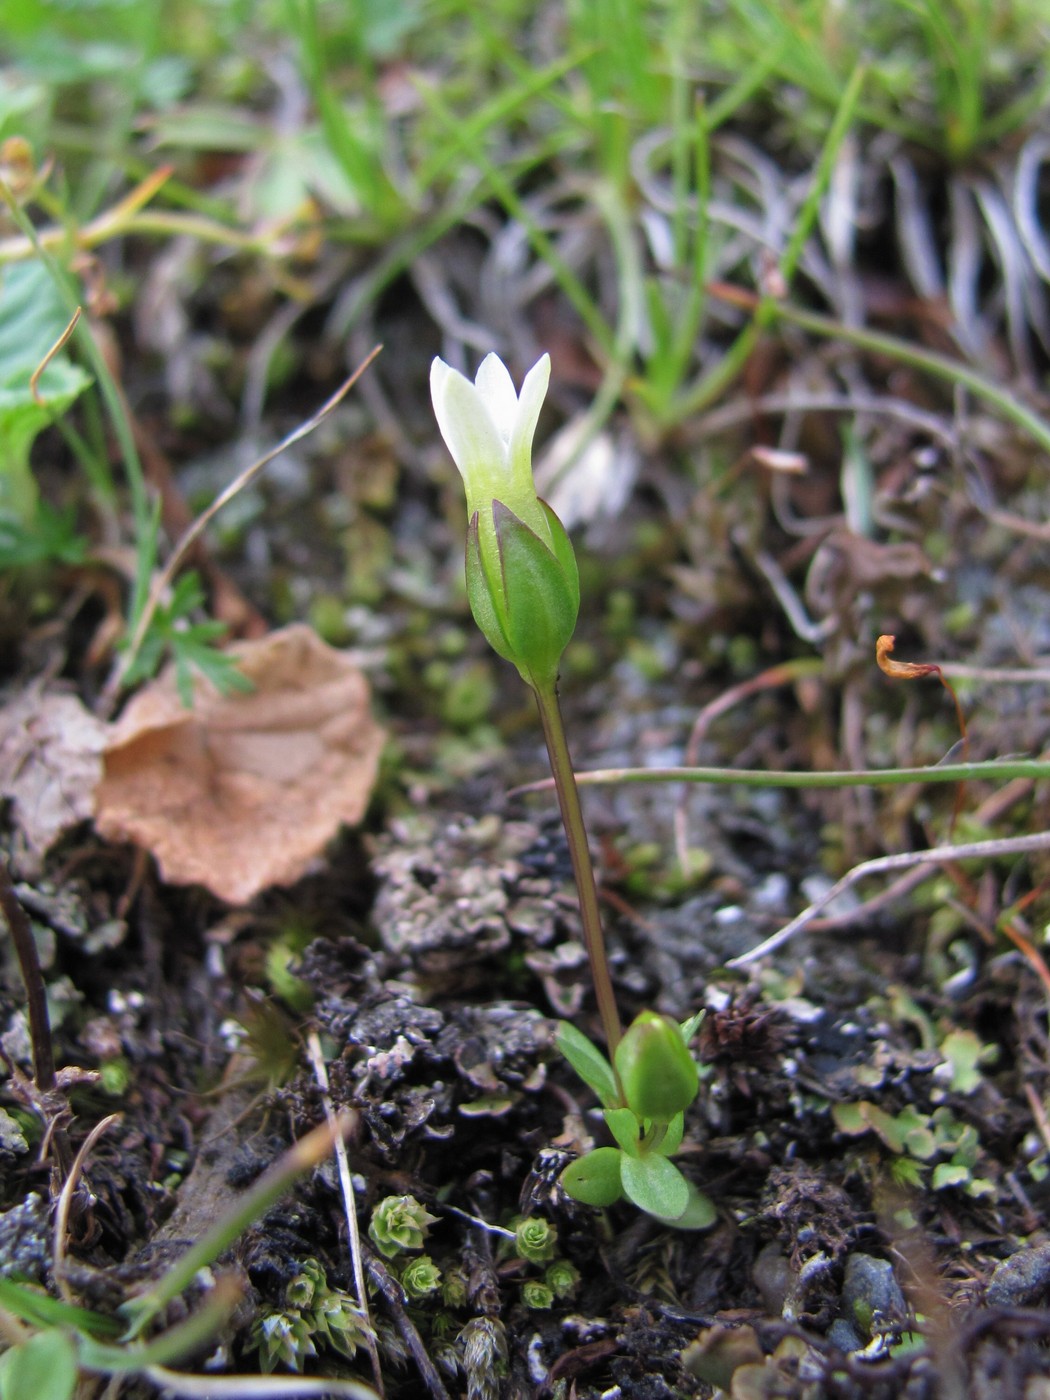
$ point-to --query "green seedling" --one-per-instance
(178, 629)
(562, 1278)
(644, 1093)
(399, 1224)
(536, 1294)
(420, 1277)
(535, 1240)
(920, 1141)
(524, 591)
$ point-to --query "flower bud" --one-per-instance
(522, 581)
(657, 1072)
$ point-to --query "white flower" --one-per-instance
(489, 429)
(522, 580)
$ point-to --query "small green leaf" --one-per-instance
(849, 1119)
(699, 1214)
(672, 1138)
(594, 1178)
(963, 1053)
(948, 1174)
(32, 318)
(689, 1028)
(655, 1185)
(588, 1062)
(625, 1128)
(44, 1367)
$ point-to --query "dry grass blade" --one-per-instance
(254, 1387)
(34, 379)
(936, 855)
(1034, 155)
(346, 1185)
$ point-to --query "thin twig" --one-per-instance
(65, 1202)
(394, 1296)
(36, 992)
(936, 855)
(894, 891)
(34, 378)
(346, 1184)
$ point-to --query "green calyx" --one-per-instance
(524, 592)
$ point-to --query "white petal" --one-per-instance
(471, 436)
(439, 373)
(533, 392)
(497, 389)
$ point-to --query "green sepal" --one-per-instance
(565, 554)
(625, 1128)
(655, 1185)
(481, 598)
(657, 1072)
(540, 596)
(594, 1178)
(588, 1062)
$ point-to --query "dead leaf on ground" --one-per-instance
(50, 764)
(244, 791)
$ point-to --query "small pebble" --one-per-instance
(1023, 1280)
(871, 1295)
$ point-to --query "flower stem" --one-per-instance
(579, 851)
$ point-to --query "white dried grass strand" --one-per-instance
(936, 855)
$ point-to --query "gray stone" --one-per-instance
(1022, 1280)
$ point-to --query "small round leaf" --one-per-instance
(594, 1178)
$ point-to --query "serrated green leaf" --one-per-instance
(50, 536)
(588, 1062)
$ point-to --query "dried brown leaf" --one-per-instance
(50, 764)
(244, 791)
